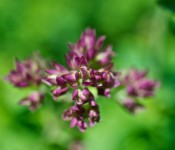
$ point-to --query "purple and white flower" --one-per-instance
(33, 101)
(138, 85)
(89, 67)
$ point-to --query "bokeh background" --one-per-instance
(142, 33)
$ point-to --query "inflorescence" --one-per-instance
(89, 68)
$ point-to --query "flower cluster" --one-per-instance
(137, 85)
(33, 101)
(85, 107)
(88, 66)
(89, 73)
(26, 74)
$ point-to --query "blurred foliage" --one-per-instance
(170, 4)
(142, 34)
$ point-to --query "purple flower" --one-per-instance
(71, 78)
(138, 85)
(33, 101)
(76, 115)
(104, 80)
(104, 58)
(79, 114)
(90, 48)
(27, 73)
(88, 65)
(59, 91)
(132, 106)
(86, 111)
(81, 72)
(147, 87)
(74, 61)
(94, 116)
(82, 96)
(58, 70)
(87, 46)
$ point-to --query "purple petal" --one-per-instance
(59, 67)
(52, 81)
(70, 77)
(139, 74)
(19, 66)
(60, 81)
(147, 85)
(83, 61)
(59, 91)
(87, 83)
(106, 56)
(86, 92)
(21, 84)
(51, 72)
(89, 38)
(131, 105)
(67, 114)
(104, 92)
(75, 95)
(77, 75)
(99, 42)
(33, 101)
(82, 126)
(91, 53)
(93, 103)
(71, 59)
(73, 122)
(74, 85)
(132, 91)
(84, 72)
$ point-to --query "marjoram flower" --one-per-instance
(33, 101)
(29, 73)
(137, 85)
(89, 65)
(89, 73)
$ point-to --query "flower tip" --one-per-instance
(71, 46)
(73, 122)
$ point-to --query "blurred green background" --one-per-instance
(142, 33)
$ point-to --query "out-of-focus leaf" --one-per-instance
(170, 4)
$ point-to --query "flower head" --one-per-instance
(131, 105)
(26, 73)
(83, 114)
(90, 50)
(89, 72)
(139, 85)
(88, 66)
(33, 101)
(87, 46)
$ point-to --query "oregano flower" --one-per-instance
(89, 73)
